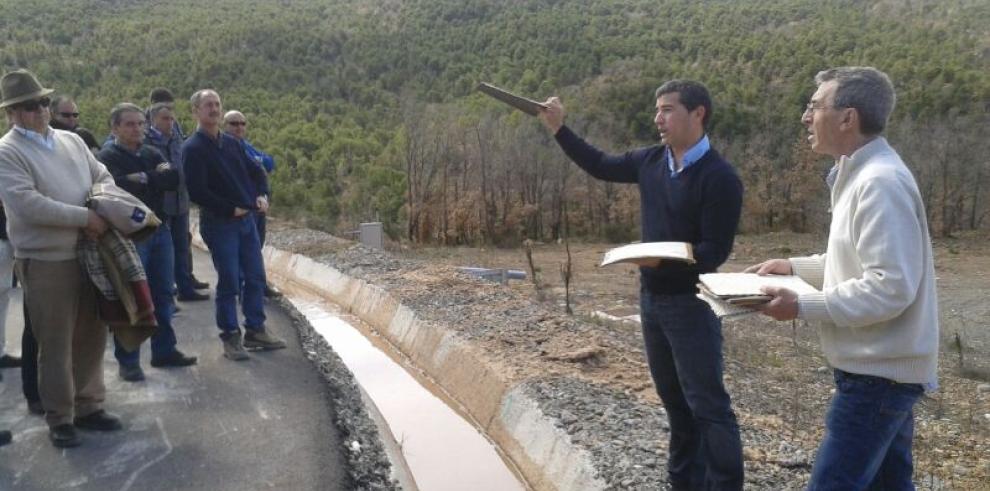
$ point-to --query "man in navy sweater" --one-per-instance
(688, 193)
(143, 171)
(228, 187)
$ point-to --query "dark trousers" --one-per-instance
(29, 361)
(156, 257)
(259, 221)
(179, 226)
(683, 341)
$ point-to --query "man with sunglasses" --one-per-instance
(65, 116)
(47, 175)
(235, 125)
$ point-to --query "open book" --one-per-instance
(649, 253)
(732, 294)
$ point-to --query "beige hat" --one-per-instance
(19, 86)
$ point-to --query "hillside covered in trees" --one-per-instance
(370, 110)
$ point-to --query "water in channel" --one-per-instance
(444, 452)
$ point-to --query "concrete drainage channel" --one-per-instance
(537, 450)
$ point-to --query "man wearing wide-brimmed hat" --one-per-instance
(47, 175)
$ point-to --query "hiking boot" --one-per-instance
(233, 348)
(199, 285)
(64, 436)
(98, 421)
(131, 373)
(174, 359)
(262, 340)
(271, 292)
(5, 437)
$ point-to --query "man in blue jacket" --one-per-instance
(688, 193)
(142, 171)
(235, 125)
(229, 187)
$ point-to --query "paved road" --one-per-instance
(261, 424)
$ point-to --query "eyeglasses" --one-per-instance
(33, 105)
(812, 107)
(237, 123)
(69, 115)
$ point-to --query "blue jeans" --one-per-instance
(157, 259)
(183, 257)
(868, 434)
(236, 253)
(683, 341)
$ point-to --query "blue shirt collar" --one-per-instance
(692, 156)
(46, 140)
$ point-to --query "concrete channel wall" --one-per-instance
(539, 450)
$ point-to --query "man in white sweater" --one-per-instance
(876, 313)
(46, 175)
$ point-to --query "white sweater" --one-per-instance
(44, 192)
(877, 311)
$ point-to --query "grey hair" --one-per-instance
(157, 108)
(118, 111)
(865, 89)
(199, 95)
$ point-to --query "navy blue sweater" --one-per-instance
(700, 206)
(121, 161)
(220, 176)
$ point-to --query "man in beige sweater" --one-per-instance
(46, 175)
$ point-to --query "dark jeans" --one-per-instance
(236, 253)
(868, 433)
(179, 226)
(683, 341)
(157, 258)
(29, 361)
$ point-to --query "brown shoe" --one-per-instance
(233, 347)
(262, 340)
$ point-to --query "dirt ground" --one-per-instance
(775, 373)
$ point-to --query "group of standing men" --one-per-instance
(48, 166)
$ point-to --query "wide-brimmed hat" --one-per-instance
(19, 86)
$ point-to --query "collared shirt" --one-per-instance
(46, 140)
(693, 155)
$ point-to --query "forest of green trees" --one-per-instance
(370, 110)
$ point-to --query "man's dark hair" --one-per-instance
(120, 109)
(157, 108)
(58, 100)
(161, 94)
(691, 94)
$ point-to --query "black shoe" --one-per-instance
(99, 421)
(176, 309)
(5, 437)
(64, 436)
(175, 359)
(35, 407)
(271, 292)
(193, 297)
(7, 361)
(199, 285)
(131, 373)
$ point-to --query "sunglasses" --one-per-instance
(69, 115)
(33, 105)
(237, 123)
